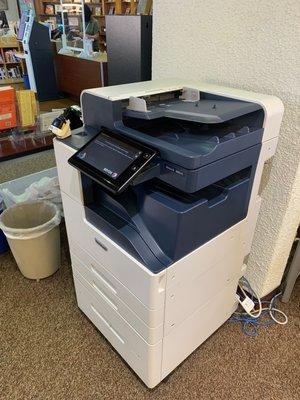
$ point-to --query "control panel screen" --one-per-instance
(112, 160)
(109, 155)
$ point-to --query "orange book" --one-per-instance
(8, 112)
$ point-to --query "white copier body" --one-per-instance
(156, 320)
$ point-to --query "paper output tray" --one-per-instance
(205, 110)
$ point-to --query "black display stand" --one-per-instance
(43, 62)
(129, 48)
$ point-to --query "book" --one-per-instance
(27, 107)
(10, 56)
(144, 7)
(98, 11)
(14, 72)
(57, 8)
(8, 112)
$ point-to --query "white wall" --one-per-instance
(12, 13)
(254, 45)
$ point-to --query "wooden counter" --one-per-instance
(11, 148)
(76, 74)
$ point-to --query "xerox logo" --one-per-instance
(111, 173)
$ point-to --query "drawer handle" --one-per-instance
(110, 302)
(107, 324)
(100, 316)
(102, 279)
(116, 334)
(101, 244)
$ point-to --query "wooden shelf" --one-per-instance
(9, 81)
(55, 15)
(8, 47)
(7, 65)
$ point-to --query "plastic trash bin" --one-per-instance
(14, 191)
(32, 231)
(3, 241)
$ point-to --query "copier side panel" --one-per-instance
(195, 329)
(268, 149)
(200, 276)
(69, 178)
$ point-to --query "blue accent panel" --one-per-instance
(192, 180)
(193, 150)
(3, 242)
(180, 226)
(98, 112)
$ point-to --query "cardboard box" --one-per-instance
(8, 112)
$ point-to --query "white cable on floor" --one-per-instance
(251, 320)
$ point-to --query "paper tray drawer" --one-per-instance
(105, 289)
(143, 358)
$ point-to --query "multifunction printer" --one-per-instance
(161, 193)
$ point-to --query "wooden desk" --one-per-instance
(76, 74)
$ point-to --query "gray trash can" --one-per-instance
(33, 235)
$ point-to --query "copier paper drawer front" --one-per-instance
(91, 269)
(101, 289)
(143, 358)
(149, 288)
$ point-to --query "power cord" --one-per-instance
(264, 313)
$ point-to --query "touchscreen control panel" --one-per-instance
(112, 160)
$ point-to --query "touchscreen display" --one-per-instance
(109, 155)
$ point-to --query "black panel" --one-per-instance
(42, 62)
(129, 48)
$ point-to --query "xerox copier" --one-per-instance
(161, 196)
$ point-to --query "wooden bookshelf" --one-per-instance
(100, 9)
(7, 44)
